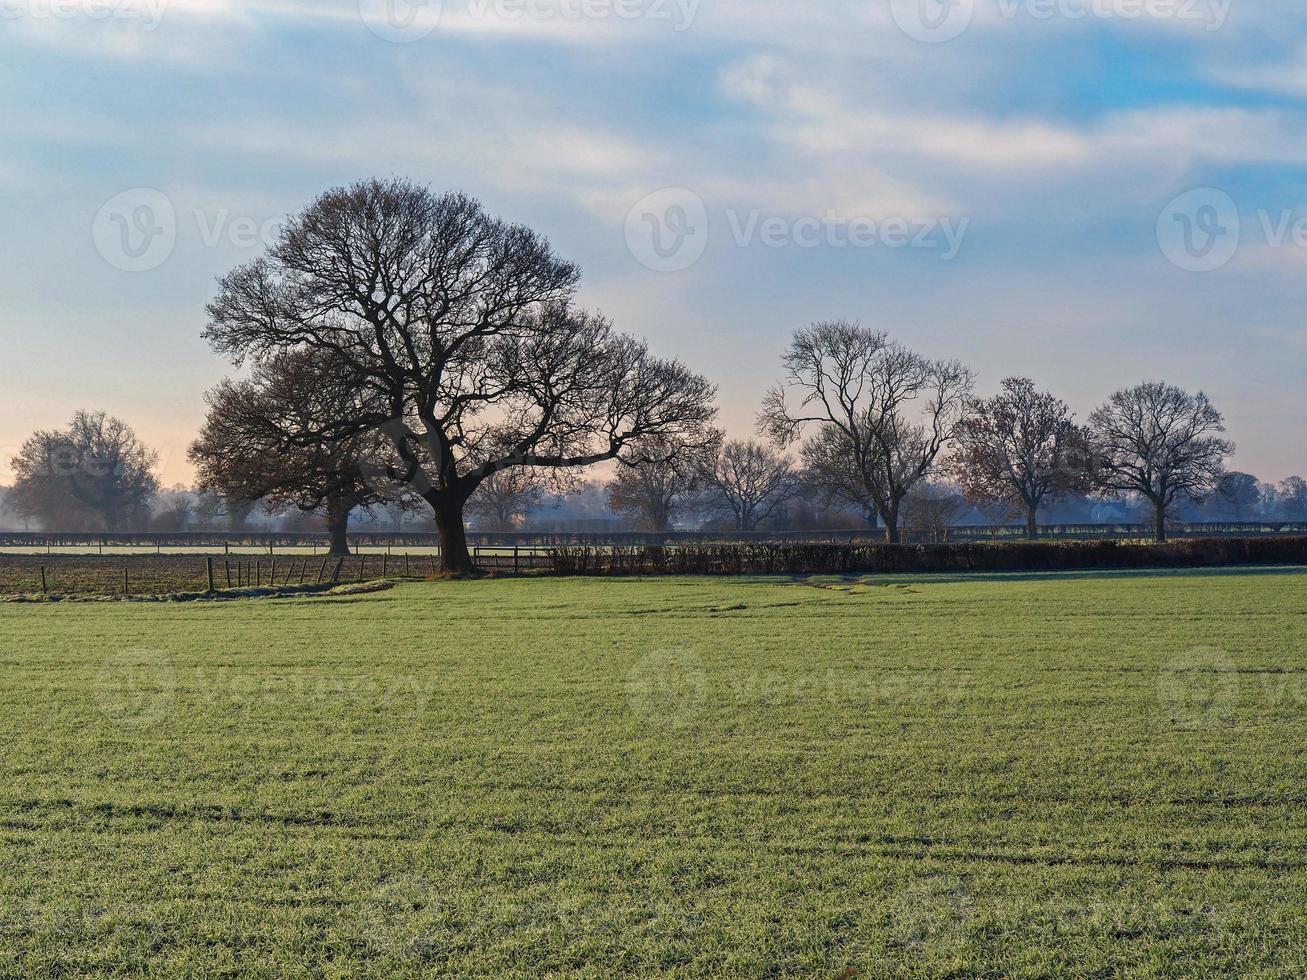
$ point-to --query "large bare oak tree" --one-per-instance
(1160, 442)
(459, 329)
(1020, 448)
(883, 412)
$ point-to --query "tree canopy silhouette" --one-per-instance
(459, 332)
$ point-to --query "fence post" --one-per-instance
(384, 560)
(323, 570)
(515, 560)
(227, 565)
(272, 573)
(127, 589)
(45, 589)
(208, 566)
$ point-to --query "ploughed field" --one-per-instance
(1062, 775)
(115, 573)
(112, 575)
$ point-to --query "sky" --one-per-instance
(1091, 193)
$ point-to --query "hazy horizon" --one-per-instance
(1012, 190)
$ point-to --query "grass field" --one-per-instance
(1067, 775)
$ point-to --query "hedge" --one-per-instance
(838, 559)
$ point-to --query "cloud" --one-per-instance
(1004, 167)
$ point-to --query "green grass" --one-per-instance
(1065, 775)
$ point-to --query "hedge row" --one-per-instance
(835, 559)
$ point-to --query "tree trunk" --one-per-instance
(454, 555)
(1032, 524)
(338, 526)
(891, 520)
(1161, 521)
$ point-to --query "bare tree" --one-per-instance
(1292, 492)
(1237, 497)
(1020, 448)
(931, 509)
(213, 510)
(1160, 442)
(884, 413)
(175, 509)
(658, 484)
(458, 328)
(832, 476)
(747, 481)
(506, 498)
(94, 474)
(262, 441)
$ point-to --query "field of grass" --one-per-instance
(1066, 775)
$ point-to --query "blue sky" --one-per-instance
(1053, 137)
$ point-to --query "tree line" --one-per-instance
(406, 349)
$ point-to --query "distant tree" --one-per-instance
(832, 477)
(883, 412)
(506, 498)
(174, 509)
(583, 506)
(660, 483)
(809, 510)
(1159, 442)
(263, 440)
(213, 510)
(210, 510)
(747, 482)
(95, 474)
(931, 509)
(1292, 493)
(1237, 497)
(457, 329)
(1020, 449)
